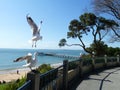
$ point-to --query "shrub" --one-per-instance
(44, 68)
(72, 65)
(13, 85)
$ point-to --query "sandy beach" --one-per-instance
(10, 75)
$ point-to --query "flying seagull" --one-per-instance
(30, 62)
(35, 30)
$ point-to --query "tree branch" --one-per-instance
(112, 9)
(115, 32)
(73, 45)
(104, 35)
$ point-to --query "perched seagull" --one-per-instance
(35, 30)
(31, 62)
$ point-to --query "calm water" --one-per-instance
(8, 55)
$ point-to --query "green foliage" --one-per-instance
(86, 56)
(88, 19)
(99, 47)
(62, 42)
(13, 85)
(100, 60)
(72, 65)
(2, 86)
(76, 29)
(75, 26)
(87, 61)
(113, 51)
(44, 68)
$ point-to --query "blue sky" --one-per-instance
(56, 16)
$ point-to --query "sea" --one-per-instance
(8, 55)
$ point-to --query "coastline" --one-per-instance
(10, 75)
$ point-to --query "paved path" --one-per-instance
(105, 80)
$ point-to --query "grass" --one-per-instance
(13, 85)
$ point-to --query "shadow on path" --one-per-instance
(86, 77)
(101, 84)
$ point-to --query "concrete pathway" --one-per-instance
(105, 80)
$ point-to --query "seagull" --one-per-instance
(35, 30)
(31, 62)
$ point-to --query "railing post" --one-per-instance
(105, 58)
(118, 58)
(80, 66)
(93, 62)
(34, 76)
(65, 75)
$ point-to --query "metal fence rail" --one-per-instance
(26, 86)
(61, 77)
(49, 77)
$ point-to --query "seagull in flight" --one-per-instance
(35, 30)
(30, 62)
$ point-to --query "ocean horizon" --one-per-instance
(7, 55)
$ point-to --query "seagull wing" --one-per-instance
(32, 24)
(40, 25)
(23, 58)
